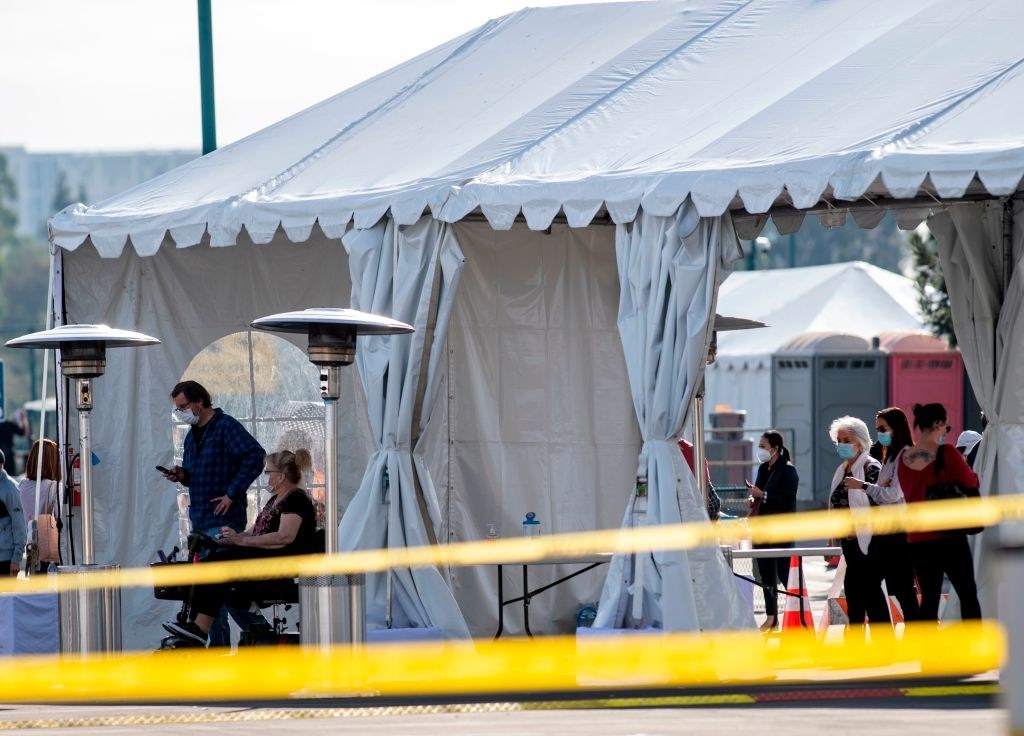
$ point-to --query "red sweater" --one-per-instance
(914, 482)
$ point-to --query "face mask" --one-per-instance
(942, 438)
(762, 454)
(885, 438)
(185, 416)
(846, 451)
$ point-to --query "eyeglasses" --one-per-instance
(268, 472)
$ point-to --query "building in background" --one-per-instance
(94, 175)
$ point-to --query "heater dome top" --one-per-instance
(98, 335)
(326, 318)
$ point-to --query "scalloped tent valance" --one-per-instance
(736, 105)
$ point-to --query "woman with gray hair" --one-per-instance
(863, 582)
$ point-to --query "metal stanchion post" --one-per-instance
(1011, 613)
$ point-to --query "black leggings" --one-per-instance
(949, 555)
(772, 570)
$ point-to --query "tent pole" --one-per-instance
(698, 443)
(1007, 243)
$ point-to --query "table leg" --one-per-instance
(526, 603)
(501, 605)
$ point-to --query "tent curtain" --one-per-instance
(669, 271)
(411, 274)
(990, 332)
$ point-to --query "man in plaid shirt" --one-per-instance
(221, 460)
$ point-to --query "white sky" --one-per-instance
(107, 75)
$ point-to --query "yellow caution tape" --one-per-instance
(598, 662)
(933, 515)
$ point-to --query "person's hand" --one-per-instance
(228, 536)
(20, 416)
(754, 491)
(223, 504)
(175, 474)
(15, 568)
(850, 483)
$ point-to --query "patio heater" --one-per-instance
(722, 324)
(327, 618)
(90, 620)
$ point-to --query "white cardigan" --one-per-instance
(858, 497)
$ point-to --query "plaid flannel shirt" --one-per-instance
(226, 462)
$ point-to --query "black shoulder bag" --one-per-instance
(946, 491)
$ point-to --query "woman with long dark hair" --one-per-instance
(934, 554)
(773, 492)
(889, 552)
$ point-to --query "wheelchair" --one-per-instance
(280, 595)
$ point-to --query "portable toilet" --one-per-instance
(816, 378)
(923, 369)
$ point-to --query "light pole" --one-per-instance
(90, 620)
(332, 336)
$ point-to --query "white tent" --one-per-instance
(853, 298)
(652, 127)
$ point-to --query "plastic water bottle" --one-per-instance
(492, 533)
(51, 569)
(531, 527)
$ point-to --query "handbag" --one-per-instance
(49, 538)
(950, 490)
(48, 527)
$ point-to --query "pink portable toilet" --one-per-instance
(924, 369)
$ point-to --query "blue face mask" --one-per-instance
(885, 438)
(846, 450)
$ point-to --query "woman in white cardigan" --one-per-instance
(863, 582)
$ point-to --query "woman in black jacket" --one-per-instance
(773, 492)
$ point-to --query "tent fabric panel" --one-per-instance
(989, 329)
(669, 271)
(396, 271)
(540, 414)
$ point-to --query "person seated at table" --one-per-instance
(285, 526)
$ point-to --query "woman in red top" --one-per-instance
(940, 552)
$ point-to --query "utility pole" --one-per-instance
(206, 76)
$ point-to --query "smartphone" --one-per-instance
(162, 469)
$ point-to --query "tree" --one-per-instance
(932, 296)
(24, 268)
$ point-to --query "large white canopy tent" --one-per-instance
(855, 298)
(653, 128)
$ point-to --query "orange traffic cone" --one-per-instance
(797, 613)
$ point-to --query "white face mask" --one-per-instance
(762, 454)
(185, 415)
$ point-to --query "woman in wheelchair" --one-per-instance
(285, 526)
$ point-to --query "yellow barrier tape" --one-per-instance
(635, 660)
(933, 515)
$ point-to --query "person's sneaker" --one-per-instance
(186, 630)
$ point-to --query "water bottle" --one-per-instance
(492, 533)
(531, 527)
(51, 569)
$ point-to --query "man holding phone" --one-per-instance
(219, 463)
